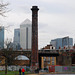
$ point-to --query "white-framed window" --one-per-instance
(52, 58)
(44, 58)
(48, 62)
(52, 62)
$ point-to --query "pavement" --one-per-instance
(32, 74)
(73, 73)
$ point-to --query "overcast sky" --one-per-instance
(56, 18)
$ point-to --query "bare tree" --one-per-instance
(7, 54)
(3, 8)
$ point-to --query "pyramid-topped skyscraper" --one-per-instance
(26, 22)
(25, 34)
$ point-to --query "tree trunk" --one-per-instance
(5, 66)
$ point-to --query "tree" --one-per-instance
(8, 58)
(7, 54)
(3, 8)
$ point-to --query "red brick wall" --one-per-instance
(21, 62)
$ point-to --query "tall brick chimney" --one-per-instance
(34, 57)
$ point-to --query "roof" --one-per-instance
(22, 57)
(27, 21)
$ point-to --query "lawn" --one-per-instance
(11, 73)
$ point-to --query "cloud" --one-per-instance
(55, 26)
(57, 6)
(56, 17)
(58, 1)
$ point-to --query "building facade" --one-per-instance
(26, 34)
(47, 61)
(17, 39)
(2, 60)
(62, 42)
(1, 37)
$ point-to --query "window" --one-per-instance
(52, 58)
(52, 47)
(18, 34)
(44, 58)
(48, 58)
(48, 62)
(0, 61)
(52, 62)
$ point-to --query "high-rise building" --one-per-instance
(17, 38)
(25, 34)
(62, 42)
(1, 37)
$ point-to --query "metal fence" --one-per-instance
(64, 68)
(57, 68)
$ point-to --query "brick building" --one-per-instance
(47, 61)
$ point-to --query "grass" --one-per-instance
(11, 73)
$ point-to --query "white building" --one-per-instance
(25, 34)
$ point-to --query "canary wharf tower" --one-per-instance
(34, 57)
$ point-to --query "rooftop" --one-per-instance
(27, 21)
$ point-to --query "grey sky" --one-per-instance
(56, 18)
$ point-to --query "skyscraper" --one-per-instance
(25, 34)
(62, 42)
(1, 37)
(17, 38)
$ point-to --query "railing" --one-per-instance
(56, 51)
